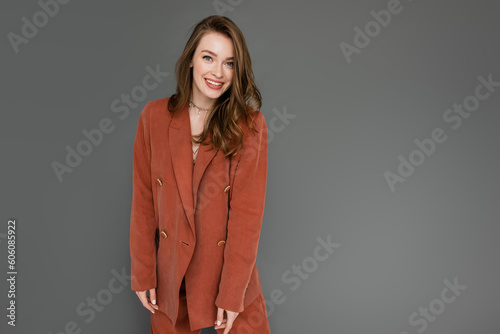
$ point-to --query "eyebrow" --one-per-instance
(214, 54)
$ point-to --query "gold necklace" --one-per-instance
(194, 105)
(191, 104)
(194, 153)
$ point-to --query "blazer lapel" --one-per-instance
(205, 155)
(181, 149)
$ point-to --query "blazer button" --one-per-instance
(226, 189)
(159, 182)
(220, 243)
(163, 234)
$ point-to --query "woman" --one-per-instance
(199, 185)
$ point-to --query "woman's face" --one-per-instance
(212, 65)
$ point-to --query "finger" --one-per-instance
(144, 300)
(231, 316)
(152, 296)
(222, 325)
(220, 316)
(142, 296)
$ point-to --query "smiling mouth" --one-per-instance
(214, 85)
(213, 82)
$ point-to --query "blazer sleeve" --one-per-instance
(142, 218)
(245, 218)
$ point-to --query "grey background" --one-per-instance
(326, 166)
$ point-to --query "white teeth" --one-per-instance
(214, 83)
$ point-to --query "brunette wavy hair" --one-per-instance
(236, 102)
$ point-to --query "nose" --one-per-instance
(217, 70)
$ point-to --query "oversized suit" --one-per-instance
(181, 224)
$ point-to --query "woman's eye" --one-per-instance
(230, 63)
(204, 57)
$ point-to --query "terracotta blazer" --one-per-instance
(181, 223)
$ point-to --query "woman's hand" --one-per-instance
(150, 304)
(225, 323)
